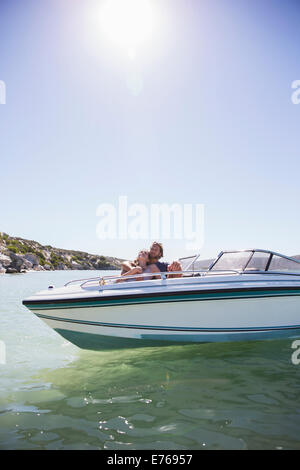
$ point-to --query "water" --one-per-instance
(211, 396)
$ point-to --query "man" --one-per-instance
(155, 253)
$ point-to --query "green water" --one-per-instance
(211, 396)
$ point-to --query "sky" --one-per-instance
(192, 106)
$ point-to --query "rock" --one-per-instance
(47, 255)
(26, 265)
(86, 267)
(19, 262)
(76, 266)
(38, 268)
(2, 269)
(5, 260)
(11, 271)
(32, 258)
(61, 266)
(16, 261)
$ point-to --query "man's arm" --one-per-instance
(175, 266)
(126, 266)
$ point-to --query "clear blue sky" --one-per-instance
(212, 122)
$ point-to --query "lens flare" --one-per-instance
(128, 23)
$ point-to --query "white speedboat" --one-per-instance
(244, 295)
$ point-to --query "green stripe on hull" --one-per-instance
(168, 327)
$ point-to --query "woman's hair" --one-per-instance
(136, 261)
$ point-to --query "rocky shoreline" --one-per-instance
(18, 255)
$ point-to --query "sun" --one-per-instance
(128, 23)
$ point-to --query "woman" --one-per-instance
(139, 266)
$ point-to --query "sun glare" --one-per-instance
(128, 23)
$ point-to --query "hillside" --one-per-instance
(21, 255)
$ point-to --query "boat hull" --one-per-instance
(255, 316)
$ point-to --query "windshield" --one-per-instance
(188, 263)
(283, 264)
(235, 261)
(255, 260)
